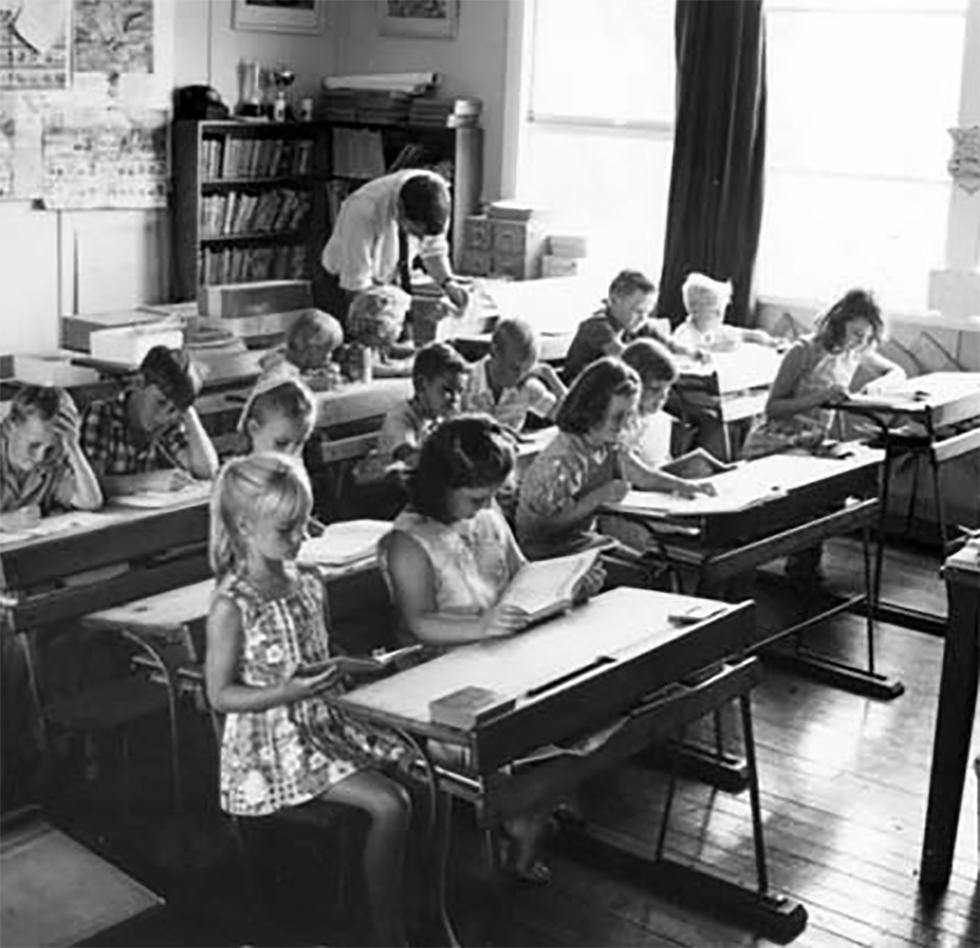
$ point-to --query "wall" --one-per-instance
(472, 64)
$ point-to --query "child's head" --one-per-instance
(601, 402)
(437, 376)
(652, 363)
(462, 465)
(706, 300)
(259, 511)
(377, 315)
(853, 323)
(278, 416)
(170, 385)
(424, 205)
(32, 434)
(312, 338)
(513, 351)
(632, 297)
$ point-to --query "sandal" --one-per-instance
(523, 867)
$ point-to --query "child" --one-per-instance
(587, 465)
(815, 373)
(623, 317)
(311, 340)
(510, 382)
(650, 439)
(704, 330)
(437, 378)
(278, 416)
(282, 745)
(150, 437)
(42, 467)
(377, 320)
(450, 555)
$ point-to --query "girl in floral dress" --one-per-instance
(268, 664)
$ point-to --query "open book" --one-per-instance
(695, 465)
(546, 587)
(377, 661)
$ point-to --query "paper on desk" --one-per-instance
(155, 499)
(50, 526)
(343, 543)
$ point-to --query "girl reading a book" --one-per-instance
(588, 465)
(449, 557)
(269, 664)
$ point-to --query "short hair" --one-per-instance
(466, 451)
(650, 360)
(290, 397)
(436, 360)
(376, 315)
(588, 399)
(314, 324)
(173, 372)
(700, 284)
(854, 304)
(424, 201)
(628, 282)
(517, 334)
(42, 401)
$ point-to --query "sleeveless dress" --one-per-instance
(287, 755)
(807, 428)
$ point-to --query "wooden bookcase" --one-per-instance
(256, 200)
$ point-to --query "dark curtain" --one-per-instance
(716, 179)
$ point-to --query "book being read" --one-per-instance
(546, 587)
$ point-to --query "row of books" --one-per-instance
(232, 157)
(244, 264)
(240, 212)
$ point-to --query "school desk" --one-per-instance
(765, 509)
(360, 401)
(935, 415)
(955, 718)
(618, 670)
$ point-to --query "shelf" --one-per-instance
(284, 235)
(216, 184)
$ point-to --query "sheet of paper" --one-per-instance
(346, 542)
(152, 499)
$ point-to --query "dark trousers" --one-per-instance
(329, 296)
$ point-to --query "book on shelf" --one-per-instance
(545, 587)
(231, 157)
(247, 264)
(241, 212)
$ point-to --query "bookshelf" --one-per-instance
(255, 201)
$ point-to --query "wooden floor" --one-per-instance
(844, 782)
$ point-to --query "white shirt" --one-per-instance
(363, 247)
(649, 440)
(721, 337)
(514, 403)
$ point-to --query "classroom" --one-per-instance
(490, 472)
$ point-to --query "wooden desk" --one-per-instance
(360, 402)
(617, 660)
(955, 719)
(942, 422)
(809, 506)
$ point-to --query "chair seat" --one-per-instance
(108, 707)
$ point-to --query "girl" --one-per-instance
(278, 416)
(817, 371)
(42, 466)
(283, 746)
(449, 557)
(588, 465)
(704, 330)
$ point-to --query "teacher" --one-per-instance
(380, 230)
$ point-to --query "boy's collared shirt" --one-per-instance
(107, 443)
(49, 485)
(595, 334)
(514, 403)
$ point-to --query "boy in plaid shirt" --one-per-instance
(149, 437)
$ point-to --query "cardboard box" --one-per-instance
(52, 369)
(262, 298)
(552, 266)
(76, 331)
(127, 345)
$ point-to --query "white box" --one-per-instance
(128, 345)
(51, 369)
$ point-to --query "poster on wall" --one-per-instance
(107, 160)
(113, 36)
(20, 145)
(34, 46)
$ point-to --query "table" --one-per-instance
(768, 508)
(618, 662)
(933, 408)
(955, 718)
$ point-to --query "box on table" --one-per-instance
(51, 369)
(127, 345)
(76, 331)
(261, 298)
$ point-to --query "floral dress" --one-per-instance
(289, 754)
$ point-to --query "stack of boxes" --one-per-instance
(565, 257)
(506, 242)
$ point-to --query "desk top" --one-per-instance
(749, 366)
(948, 396)
(966, 562)
(597, 659)
(360, 401)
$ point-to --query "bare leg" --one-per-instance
(389, 809)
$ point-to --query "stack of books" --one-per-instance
(440, 113)
(566, 255)
(382, 107)
(341, 105)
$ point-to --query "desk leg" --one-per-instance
(951, 747)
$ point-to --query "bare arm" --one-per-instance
(759, 336)
(81, 490)
(648, 478)
(199, 458)
(886, 372)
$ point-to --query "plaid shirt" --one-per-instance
(109, 446)
(49, 484)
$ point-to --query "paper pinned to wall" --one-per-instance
(113, 36)
(34, 46)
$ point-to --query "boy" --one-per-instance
(706, 301)
(437, 377)
(149, 437)
(308, 349)
(623, 317)
(510, 382)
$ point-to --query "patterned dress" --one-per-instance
(289, 754)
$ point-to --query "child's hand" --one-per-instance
(168, 480)
(835, 395)
(704, 487)
(590, 584)
(691, 489)
(503, 619)
(702, 355)
(611, 492)
(457, 294)
(66, 423)
(21, 519)
(309, 680)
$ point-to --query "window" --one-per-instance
(595, 137)
(861, 93)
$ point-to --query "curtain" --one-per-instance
(716, 182)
